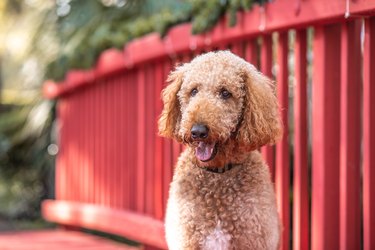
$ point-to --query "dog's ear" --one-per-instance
(170, 117)
(261, 119)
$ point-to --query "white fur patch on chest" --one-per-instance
(217, 240)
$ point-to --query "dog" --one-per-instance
(221, 196)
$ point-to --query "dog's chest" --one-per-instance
(216, 210)
(217, 239)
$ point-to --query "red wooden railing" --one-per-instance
(113, 171)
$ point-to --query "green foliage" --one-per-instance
(24, 161)
(90, 27)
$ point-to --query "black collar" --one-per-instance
(227, 167)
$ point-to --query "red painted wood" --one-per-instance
(57, 240)
(141, 140)
(300, 174)
(71, 130)
(158, 188)
(282, 147)
(120, 222)
(268, 152)
(325, 142)
(111, 167)
(350, 137)
(237, 48)
(97, 144)
(251, 52)
(107, 144)
(125, 140)
(119, 142)
(84, 142)
(150, 133)
(133, 134)
(369, 135)
(167, 148)
(279, 15)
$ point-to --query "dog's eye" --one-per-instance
(225, 94)
(193, 92)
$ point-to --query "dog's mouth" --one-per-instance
(206, 151)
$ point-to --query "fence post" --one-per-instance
(326, 132)
(268, 152)
(350, 149)
(282, 147)
(300, 186)
(369, 135)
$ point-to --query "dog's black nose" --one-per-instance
(199, 131)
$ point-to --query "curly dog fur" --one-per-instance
(238, 111)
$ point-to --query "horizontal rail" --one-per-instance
(131, 225)
(276, 16)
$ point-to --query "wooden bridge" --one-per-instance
(113, 171)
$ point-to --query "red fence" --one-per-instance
(322, 54)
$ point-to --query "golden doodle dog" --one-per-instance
(221, 196)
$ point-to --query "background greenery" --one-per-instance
(43, 40)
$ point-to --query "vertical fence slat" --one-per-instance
(158, 192)
(237, 48)
(251, 52)
(60, 171)
(129, 137)
(107, 140)
(350, 143)
(369, 135)
(300, 174)
(121, 140)
(101, 143)
(111, 168)
(129, 154)
(167, 148)
(326, 132)
(268, 152)
(282, 147)
(72, 149)
(95, 155)
(134, 130)
(141, 140)
(91, 146)
(150, 139)
(85, 146)
(116, 142)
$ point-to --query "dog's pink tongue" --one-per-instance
(204, 151)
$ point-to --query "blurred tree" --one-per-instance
(25, 118)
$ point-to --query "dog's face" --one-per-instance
(211, 101)
(219, 103)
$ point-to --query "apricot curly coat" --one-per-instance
(235, 209)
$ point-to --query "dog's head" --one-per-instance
(217, 100)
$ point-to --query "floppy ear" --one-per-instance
(261, 121)
(170, 117)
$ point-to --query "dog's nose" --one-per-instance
(199, 131)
